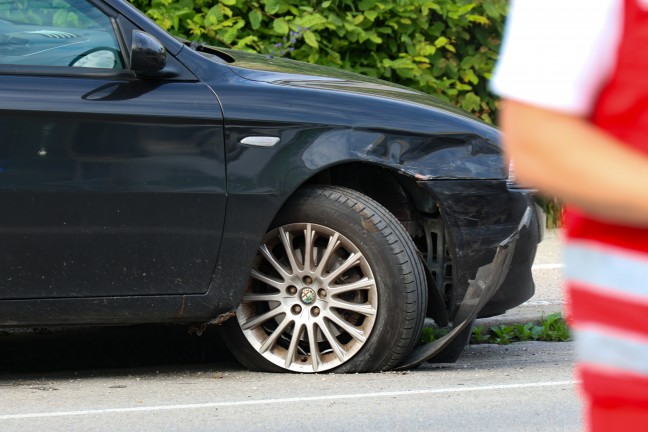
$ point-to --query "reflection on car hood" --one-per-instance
(281, 71)
(349, 116)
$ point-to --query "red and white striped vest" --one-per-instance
(607, 264)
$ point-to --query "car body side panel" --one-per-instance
(115, 187)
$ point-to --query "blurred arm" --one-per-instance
(565, 156)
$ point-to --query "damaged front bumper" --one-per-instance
(481, 290)
(491, 232)
(477, 215)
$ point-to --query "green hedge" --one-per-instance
(442, 47)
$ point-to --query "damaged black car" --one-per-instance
(317, 216)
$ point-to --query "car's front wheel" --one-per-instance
(336, 285)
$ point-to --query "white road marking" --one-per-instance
(547, 266)
(286, 400)
(543, 303)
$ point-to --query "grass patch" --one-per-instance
(430, 334)
(552, 329)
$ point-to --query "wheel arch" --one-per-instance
(393, 190)
(420, 216)
(387, 166)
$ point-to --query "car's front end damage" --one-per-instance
(465, 205)
(477, 215)
(438, 170)
(488, 280)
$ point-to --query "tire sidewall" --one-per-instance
(354, 216)
(370, 240)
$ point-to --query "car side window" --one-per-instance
(57, 33)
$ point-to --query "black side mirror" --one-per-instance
(148, 55)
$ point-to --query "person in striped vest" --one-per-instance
(573, 75)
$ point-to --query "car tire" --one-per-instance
(349, 297)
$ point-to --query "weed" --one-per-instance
(503, 334)
(555, 329)
(479, 336)
(430, 334)
(525, 331)
(552, 329)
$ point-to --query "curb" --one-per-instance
(522, 314)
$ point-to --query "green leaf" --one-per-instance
(463, 10)
(367, 4)
(310, 21)
(469, 76)
(552, 318)
(373, 37)
(313, 57)
(467, 62)
(371, 15)
(478, 19)
(230, 35)
(281, 26)
(471, 102)
(245, 42)
(255, 18)
(402, 63)
(309, 38)
(495, 8)
(229, 2)
(428, 50)
(479, 61)
(441, 41)
(215, 15)
(440, 67)
(272, 6)
(326, 4)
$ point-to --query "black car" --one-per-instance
(149, 179)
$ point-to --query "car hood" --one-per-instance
(281, 71)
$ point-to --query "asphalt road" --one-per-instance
(520, 387)
(156, 378)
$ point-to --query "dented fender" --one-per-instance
(452, 155)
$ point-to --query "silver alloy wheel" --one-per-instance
(312, 299)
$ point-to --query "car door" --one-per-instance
(110, 185)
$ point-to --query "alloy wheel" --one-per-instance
(312, 300)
